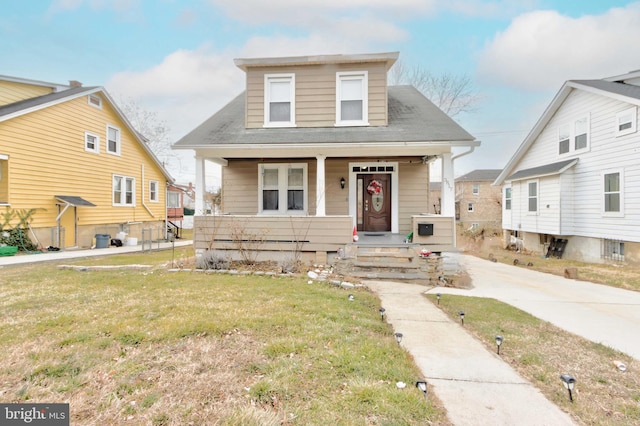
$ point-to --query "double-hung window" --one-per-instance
(279, 100)
(352, 101)
(476, 189)
(113, 140)
(564, 138)
(283, 188)
(612, 193)
(124, 191)
(626, 121)
(153, 191)
(573, 137)
(173, 200)
(507, 198)
(532, 192)
(470, 208)
(91, 142)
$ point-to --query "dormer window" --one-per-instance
(352, 99)
(279, 100)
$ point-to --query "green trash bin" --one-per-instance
(102, 240)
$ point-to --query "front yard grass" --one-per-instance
(541, 352)
(160, 348)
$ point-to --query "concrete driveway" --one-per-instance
(596, 312)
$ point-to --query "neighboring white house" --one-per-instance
(574, 182)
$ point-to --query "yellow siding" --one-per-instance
(316, 93)
(47, 157)
(11, 92)
(4, 181)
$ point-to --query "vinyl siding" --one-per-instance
(315, 94)
(413, 196)
(580, 190)
(47, 158)
(240, 187)
(11, 92)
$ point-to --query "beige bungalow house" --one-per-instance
(319, 146)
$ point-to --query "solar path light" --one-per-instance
(438, 296)
(422, 385)
(382, 311)
(569, 382)
(461, 313)
(351, 298)
(499, 340)
(398, 337)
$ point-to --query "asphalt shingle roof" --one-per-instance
(547, 169)
(628, 90)
(480, 175)
(412, 117)
(41, 100)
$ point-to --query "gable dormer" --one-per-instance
(317, 91)
(15, 89)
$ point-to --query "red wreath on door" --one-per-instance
(375, 187)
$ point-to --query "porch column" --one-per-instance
(320, 188)
(448, 195)
(200, 186)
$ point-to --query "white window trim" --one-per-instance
(470, 207)
(156, 198)
(283, 187)
(353, 75)
(537, 197)
(572, 137)
(94, 96)
(633, 111)
(118, 141)
(621, 212)
(267, 98)
(124, 191)
(97, 142)
(170, 198)
(475, 189)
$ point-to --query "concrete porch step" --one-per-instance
(390, 275)
(386, 265)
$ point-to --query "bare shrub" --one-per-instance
(247, 243)
(212, 260)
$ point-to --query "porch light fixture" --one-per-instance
(461, 313)
(569, 382)
(342, 182)
(398, 337)
(422, 385)
(381, 310)
(438, 296)
(499, 340)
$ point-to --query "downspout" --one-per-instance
(143, 204)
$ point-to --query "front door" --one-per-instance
(68, 222)
(374, 199)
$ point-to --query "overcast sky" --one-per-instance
(175, 57)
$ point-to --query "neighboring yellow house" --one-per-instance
(69, 152)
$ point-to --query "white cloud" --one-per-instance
(312, 14)
(540, 50)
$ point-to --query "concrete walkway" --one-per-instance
(21, 259)
(599, 313)
(474, 384)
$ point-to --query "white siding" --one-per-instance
(575, 198)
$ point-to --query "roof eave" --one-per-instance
(245, 63)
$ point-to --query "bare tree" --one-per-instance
(154, 131)
(452, 93)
